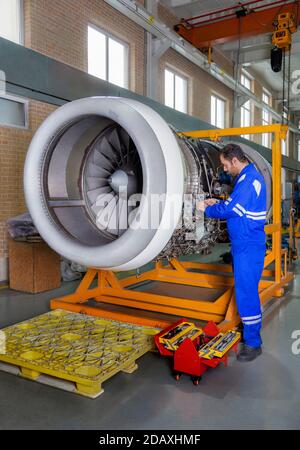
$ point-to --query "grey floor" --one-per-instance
(263, 394)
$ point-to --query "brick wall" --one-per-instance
(58, 29)
(13, 148)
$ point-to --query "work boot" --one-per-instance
(248, 353)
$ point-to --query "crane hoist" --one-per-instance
(284, 26)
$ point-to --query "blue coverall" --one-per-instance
(245, 212)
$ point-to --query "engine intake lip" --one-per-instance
(163, 174)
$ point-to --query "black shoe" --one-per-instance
(249, 353)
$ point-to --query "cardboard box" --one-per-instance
(33, 267)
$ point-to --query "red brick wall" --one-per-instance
(14, 143)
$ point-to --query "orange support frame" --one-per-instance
(111, 290)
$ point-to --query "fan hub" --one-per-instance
(123, 181)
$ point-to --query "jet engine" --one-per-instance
(109, 184)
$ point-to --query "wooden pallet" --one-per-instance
(73, 351)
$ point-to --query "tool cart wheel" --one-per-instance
(177, 375)
(196, 380)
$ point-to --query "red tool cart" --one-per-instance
(187, 357)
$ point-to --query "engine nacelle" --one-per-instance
(109, 184)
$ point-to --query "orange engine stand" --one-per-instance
(106, 288)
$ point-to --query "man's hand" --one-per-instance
(201, 206)
(208, 202)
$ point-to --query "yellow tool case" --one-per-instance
(174, 337)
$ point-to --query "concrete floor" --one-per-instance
(263, 394)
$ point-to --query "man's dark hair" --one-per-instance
(231, 151)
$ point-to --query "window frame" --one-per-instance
(16, 99)
(125, 44)
(21, 31)
(284, 147)
(243, 108)
(183, 77)
(267, 94)
(247, 77)
(22, 23)
(249, 110)
(266, 136)
(223, 100)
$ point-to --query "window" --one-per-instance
(246, 107)
(246, 81)
(13, 112)
(175, 91)
(107, 58)
(246, 116)
(284, 147)
(11, 20)
(266, 118)
(266, 97)
(217, 112)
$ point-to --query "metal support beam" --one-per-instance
(155, 49)
(258, 42)
(256, 49)
(241, 100)
(251, 56)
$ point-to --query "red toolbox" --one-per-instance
(195, 356)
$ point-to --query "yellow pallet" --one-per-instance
(82, 349)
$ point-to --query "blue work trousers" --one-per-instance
(248, 263)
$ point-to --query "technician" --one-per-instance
(245, 212)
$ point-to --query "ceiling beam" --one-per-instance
(255, 49)
(253, 56)
(261, 41)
